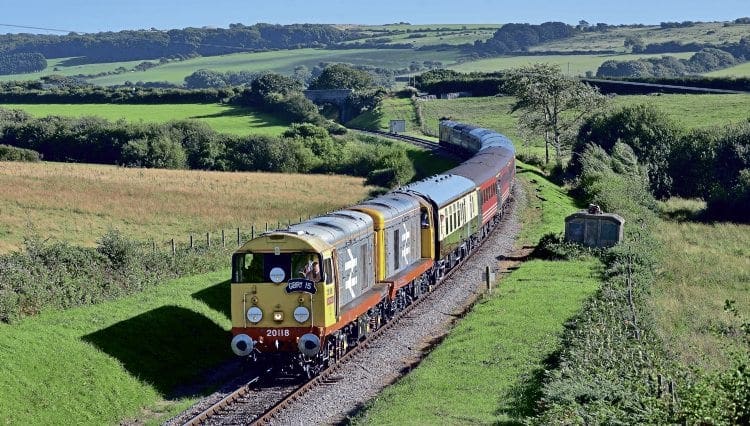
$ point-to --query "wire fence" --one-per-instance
(222, 238)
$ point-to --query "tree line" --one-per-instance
(520, 37)
(20, 63)
(154, 44)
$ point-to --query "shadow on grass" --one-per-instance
(217, 297)
(165, 347)
(232, 111)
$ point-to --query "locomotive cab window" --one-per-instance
(275, 268)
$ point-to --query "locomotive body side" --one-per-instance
(455, 208)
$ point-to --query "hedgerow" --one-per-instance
(613, 368)
(60, 275)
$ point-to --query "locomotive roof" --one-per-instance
(336, 226)
(390, 205)
(441, 189)
(483, 166)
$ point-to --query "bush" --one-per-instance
(11, 153)
(647, 130)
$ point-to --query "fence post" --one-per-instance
(488, 279)
(239, 242)
(174, 249)
(266, 226)
(223, 241)
(153, 246)
(208, 239)
(252, 232)
(191, 241)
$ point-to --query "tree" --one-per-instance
(342, 76)
(554, 104)
(635, 43)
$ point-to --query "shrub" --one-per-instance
(646, 129)
(58, 275)
(11, 153)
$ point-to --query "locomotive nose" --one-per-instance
(242, 345)
(309, 344)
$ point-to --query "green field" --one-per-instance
(57, 66)
(118, 360)
(696, 111)
(704, 264)
(283, 61)
(222, 118)
(614, 38)
(741, 70)
(576, 65)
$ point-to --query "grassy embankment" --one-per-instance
(117, 360)
(704, 264)
(221, 118)
(489, 368)
(78, 202)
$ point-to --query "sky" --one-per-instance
(116, 15)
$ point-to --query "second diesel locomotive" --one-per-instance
(302, 295)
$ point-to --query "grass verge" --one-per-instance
(489, 368)
(116, 360)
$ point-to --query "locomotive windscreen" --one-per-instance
(275, 268)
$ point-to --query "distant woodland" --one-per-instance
(154, 44)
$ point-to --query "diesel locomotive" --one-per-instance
(301, 296)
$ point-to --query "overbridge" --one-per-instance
(336, 97)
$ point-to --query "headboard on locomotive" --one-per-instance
(593, 228)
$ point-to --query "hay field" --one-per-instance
(79, 202)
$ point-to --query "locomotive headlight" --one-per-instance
(254, 315)
(278, 316)
(301, 314)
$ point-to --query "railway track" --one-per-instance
(251, 404)
(422, 143)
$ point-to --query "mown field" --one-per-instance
(283, 61)
(79, 203)
(222, 118)
(425, 35)
(65, 66)
(489, 368)
(703, 266)
(575, 65)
